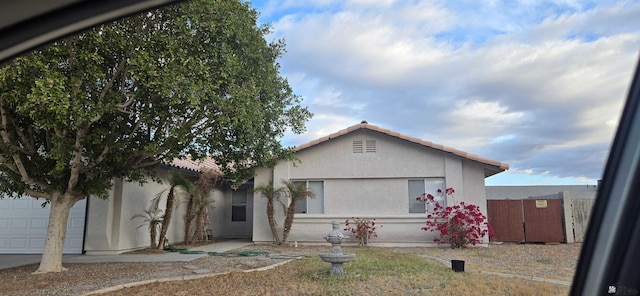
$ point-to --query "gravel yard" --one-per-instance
(546, 261)
(549, 261)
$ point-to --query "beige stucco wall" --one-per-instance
(393, 158)
(110, 227)
(369, 185)
(220, 217)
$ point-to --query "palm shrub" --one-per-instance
(175, 180)
(152, 218)
(272, 195)
(295, 192)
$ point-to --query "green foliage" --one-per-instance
(152, 218)
(271, 193)
(198, 78)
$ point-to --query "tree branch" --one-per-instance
(100, 158)
(76, 162)
(95, 119)
(17, 162)
(9, 165)
(114, 75)
(37, 194)
(26, 142)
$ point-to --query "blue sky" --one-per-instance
(536, 84)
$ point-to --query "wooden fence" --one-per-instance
(581, 211)
(549, 218)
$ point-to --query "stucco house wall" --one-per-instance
(110, 228)
(372, 184)
(220, 215)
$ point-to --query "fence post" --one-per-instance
(567, 217)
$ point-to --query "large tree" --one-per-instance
(198, 78)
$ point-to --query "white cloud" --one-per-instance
(537, 85)
(321, 125)
(491, 112)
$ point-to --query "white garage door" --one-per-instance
(23, 226)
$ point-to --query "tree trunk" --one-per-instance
(189, 220)
(288, 221)
(199, 229)
(154, 233)
(58, 216)
(272, 221)
(168, 212)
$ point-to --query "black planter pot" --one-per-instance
(457, 265)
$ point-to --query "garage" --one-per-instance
(23, 226)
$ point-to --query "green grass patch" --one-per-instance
(545, 260)
(372, 265)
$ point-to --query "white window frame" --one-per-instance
(430, 185)
(302, 206)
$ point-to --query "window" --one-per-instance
(418, 187)
(239, 205)
(312, 205)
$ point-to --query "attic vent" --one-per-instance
(371, 146)
(357, 147)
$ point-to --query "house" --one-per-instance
(110, 229)
(98, 226)
(370, 172)
(361, 171)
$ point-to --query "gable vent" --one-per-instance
(371, 146)
(357, 147)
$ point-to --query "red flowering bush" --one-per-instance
(459, 225)
(363, 229)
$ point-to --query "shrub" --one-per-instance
(363, 229)
(458, 225)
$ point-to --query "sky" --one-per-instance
(538, 85)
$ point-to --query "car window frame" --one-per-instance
(609, 258)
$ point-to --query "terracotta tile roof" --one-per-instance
(193, 165)
(492, 167)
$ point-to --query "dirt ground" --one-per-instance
(549, 261)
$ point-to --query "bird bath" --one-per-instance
(336, 257)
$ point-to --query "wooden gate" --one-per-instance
(528, 220)
(543, 220)
(505, 216)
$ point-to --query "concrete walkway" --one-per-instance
(11, 260)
